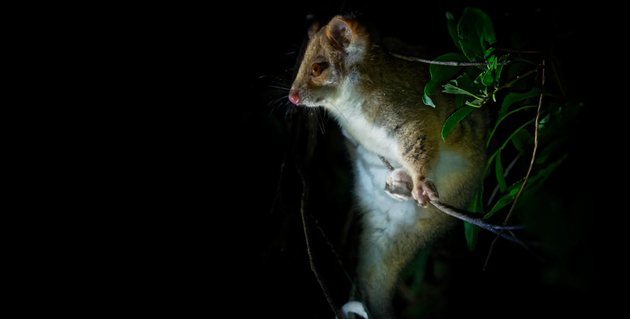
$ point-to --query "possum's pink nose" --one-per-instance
(294, 97)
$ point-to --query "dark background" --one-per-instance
(230, 143)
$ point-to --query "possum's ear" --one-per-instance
(313, 29)
(343, 32)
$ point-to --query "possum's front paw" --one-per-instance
(399, 185)
(424, 191)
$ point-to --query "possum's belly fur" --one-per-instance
(381, 211)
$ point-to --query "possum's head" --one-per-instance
(332, 51)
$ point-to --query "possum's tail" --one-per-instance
(354, 307)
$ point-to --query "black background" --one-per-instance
(225, 243)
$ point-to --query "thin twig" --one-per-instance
(509, 84)
(507, 171)
(477, 222)
(278, 193)
(485, 264)
(555, 72)
(449, 63)
(540, 259)
(307, 236)
(516, 51)
(531, 164)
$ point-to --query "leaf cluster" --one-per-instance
(512, 87)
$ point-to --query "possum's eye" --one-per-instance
(317, 69)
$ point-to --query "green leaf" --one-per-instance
(503, 118)
(542, 125)
(544, 173)
(452, 88)
(427, 100)
(516, 185)
(499, 68)
(487, 79)
(471, 232)
(544, 154)
(473, 105)
(515, 97)
(489, 52)
(479, 78)
(476, 34)
(441, 74)
(472, 72)
(504, 201)
(455, 118)
(541, 175)
(465, 83)
(507, 198)
(504, 144)
(520, 140)
(460, 100)
(451, 24)
(476, 206)
(499, 173)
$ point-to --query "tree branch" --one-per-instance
(516, 51)
(499, 230)
(531, 164)
(509, 84)
(475, 221)
(451, 212)
(449, 63)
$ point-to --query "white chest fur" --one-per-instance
(347, 108)
(380, 210)
(374, 139)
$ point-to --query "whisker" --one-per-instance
(277, 103)
(272, 76)
(289, 73)
(276, 80)
(326, 117)
(277, 100)
(344, 118)
(280, 87)
(320, 120)
(283, 84)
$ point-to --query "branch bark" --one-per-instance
(531, 164)
(449, 63)
(499, 230)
